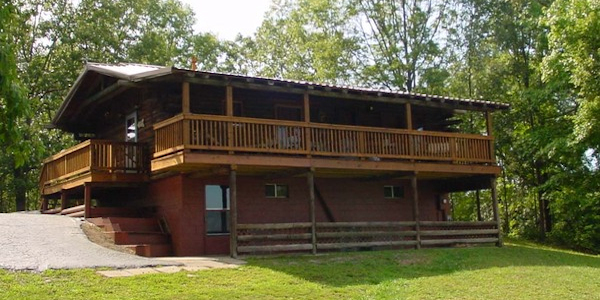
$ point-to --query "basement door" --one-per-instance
(217, 209)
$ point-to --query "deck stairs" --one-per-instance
(145, 236)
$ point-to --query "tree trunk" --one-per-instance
(542, 212)
(20, 189)
(547, 218)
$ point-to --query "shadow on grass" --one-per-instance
(357, 268)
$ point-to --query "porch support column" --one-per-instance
(307, 139)
(409, 126)
(495, 209)
(44, 206)
(490, 134)
(233, 211)
(229, 113)
(63, 199)
(408, 116)
(87, 200)
(415, 193)
(185, 97)
(313, 220)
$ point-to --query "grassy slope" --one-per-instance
(517, 271)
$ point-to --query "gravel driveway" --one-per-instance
(32, 241)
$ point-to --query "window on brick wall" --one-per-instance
(217, 209)
(276, 191)
(393, 191)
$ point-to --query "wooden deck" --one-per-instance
(227, 139)
(94, 161)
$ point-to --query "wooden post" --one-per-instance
(185, 97)
(307, 139)
(229, 113)
(408, 109)
(495, 209)
(313, 220)
(87, 200)
(63, 199)
(233, 211)
(44, 204)
(478, 202)
(490, 134)
(411, 143)
(415, 192)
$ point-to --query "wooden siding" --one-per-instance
(211, 132)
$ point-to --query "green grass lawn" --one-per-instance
(517, 271)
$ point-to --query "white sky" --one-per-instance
(227, 18)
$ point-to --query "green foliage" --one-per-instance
(575, 58)
(12, 101)
(304, 40)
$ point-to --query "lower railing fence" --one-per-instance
(297, 237)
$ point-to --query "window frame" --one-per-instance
(275, 189)
(393, 193)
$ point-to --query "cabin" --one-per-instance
(182, 162)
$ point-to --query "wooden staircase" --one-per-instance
(145, 236)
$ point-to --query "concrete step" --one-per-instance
(133, 212)
(152, 250)
(132, 224)
(135, 238)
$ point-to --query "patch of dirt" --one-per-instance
(408, 260)
(96, 235)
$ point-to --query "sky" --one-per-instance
(227, 18)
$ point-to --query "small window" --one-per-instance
(276, 191)
(390, 191)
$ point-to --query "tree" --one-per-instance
(12, 101)
(304, 40)
(403, 41)
(51, 40)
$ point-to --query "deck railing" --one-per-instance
(212, 132)
(281, 237)
(94, 156)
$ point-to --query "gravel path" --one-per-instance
(30, 241)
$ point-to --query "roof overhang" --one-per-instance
(123, 72)
(127, 74)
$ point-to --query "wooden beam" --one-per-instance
(185, 97)
(307, 137)
(415, 194)
(87, 200)
(489, 128)
(233, 212)
(392, 175)
(313, 220)
(63, 199)
(104, 95)
(229, 100)
(495, 209)
(229, 113)
(408, 110)
(44, 204)
(285, 173)
(204, 158)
